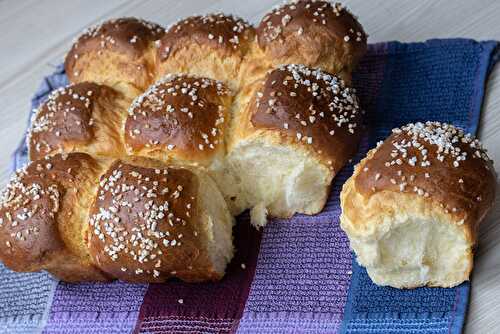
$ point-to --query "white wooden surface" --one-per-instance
(36, 34)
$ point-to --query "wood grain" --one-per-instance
(36, 35)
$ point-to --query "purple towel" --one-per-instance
(299, 274)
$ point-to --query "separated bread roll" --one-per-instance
(314, 33)
(118, 53)
(83, 219)
(210, 46)
(84, 117)
(291, 134)
(413, 206)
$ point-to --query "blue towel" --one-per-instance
(397, 83)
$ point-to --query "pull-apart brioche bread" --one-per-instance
(210, 101)
(188, 117)
(134, 219)
(414, 204)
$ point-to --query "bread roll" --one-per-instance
(118, 52)
(413, 206)
(84, 117)
(181, 118)
(314, 33)
(291, 134)
(134, 219)
(149, 223)
(211, 46)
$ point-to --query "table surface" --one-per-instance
(36, 35)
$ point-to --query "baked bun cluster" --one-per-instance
(271, 136)
(413, 206)
(135, 219)
(317, 33)
(164, 135)
(139, 165)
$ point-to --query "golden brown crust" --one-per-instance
(125, 35)
(37, 230)
(210, 46)
(84, 117)
(312, 108)
(122, 46)
(436, 161)
(180, 116)
(218, 31)
(144, 224)
(315, 33)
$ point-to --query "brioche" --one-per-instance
(212, 46)
(135, 219)
(85, 117)
(118, 52)
(42, 214)
(299, 127)
(315, 33)
(164, 135)
(413, 206)
(182, 118)
(139, 165)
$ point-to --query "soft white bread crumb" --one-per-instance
(404, 241)
(258, 215)
(275, 180)
(217, 224)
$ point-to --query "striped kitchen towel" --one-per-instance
(299, 275)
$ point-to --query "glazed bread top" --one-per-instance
(125, 35)
(116, 52)
(218, 46)
(217, 31)
(182, 116)
(33, 202)
(312, 108)
(316, 33)
(84, 117)
(434, 160)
